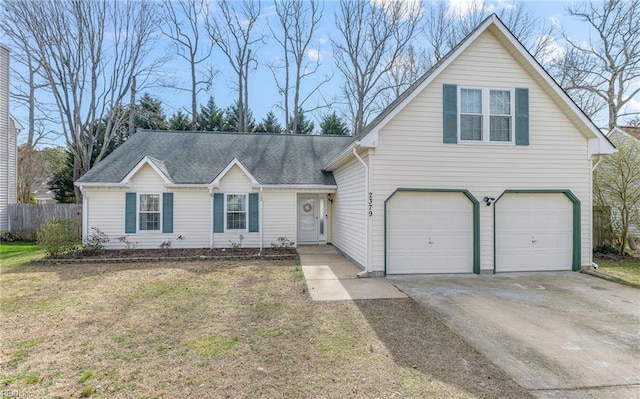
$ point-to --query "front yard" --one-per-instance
(626, 269)
(219, 329)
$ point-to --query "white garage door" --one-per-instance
(429, 232)
(533, 232)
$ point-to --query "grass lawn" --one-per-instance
(627, 269)
(237, 329)
(18, 253)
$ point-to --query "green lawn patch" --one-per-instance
(18, 253)
(626, 269)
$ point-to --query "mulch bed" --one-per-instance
(148, 255)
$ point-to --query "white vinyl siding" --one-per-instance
(411, 153)
(8, 149)
(279, 216)
(348, 209)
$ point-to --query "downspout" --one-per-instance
(85, 215)
(366, 213)
(211, 224)
(260, 218)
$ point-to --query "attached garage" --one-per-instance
(534, 231)
(431, 231)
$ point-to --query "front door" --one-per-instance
(308, 218)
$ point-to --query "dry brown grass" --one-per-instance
(226, 329)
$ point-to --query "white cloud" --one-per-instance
(461, 8)
(314, 55)
(506, 5)
(555, 21)
(553, 50)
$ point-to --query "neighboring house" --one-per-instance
(484, 164)
(42, 192)
(9, 130)
(622, 134)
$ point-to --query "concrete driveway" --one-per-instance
(557, 334)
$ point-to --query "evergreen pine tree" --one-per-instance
(179, 121)
(332, 124)
(211, 118)
(305, 126)
(269, 124)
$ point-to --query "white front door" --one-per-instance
(308, 218)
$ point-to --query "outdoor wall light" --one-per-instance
(329, 198)
(489, 200)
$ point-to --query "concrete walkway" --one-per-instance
(331, 277)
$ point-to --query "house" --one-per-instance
(9, 130)
(42, 192)
(483, 165)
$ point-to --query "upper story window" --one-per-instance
(236, 211)
(149, 212)
(486, 115)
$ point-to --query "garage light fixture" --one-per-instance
(488, 200)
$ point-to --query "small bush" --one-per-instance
(58, 237)
(95, 241)
(9, 237)
(605, 250)
(128, 243)
(283, 243)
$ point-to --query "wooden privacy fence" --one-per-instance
(26, 219)
(602, 229)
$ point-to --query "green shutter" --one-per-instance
(450, 114)
(522, 116)
(218, 213)
(167, 212)
(254, 217)
(130, 213)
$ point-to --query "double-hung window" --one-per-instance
(486, 115)
(149, 212)
(236, 210)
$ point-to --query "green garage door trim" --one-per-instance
(476, 220)
(576, 256)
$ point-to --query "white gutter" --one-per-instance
(211, 224)
(260, 218)
(366, 213)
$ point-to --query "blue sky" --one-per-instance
(263, 92)
(264, 96)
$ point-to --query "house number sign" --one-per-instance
(370, 204)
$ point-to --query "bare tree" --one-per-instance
(616, 184)
(299, 22)
(535, 34)
(182, 26)
(90, 67)
(233, 32)
(608, 64)
(27, 91)
(372, 36)
(407, 68)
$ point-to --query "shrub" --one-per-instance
(95, 241)
(9, 237)
(58, 237)
(283, 243)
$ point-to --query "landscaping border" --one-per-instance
(165, 259)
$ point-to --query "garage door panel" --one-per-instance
(534, 231)
(429, 232)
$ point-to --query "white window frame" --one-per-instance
(486, 115)
(246, 211)
(138, 229)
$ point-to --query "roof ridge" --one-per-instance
(210, 132)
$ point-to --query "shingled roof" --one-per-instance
(198, 157)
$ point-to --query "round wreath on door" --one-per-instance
(307, 207)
